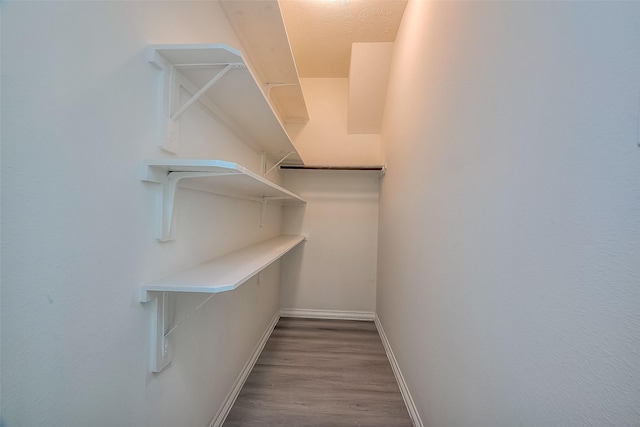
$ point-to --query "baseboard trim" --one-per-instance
(327, 314)
(404, 389)
(219, 418)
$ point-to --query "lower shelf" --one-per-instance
(225, 273)
(218, 275)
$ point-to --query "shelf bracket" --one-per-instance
(277, 163)
(161, 350)
(173, 82)
(202, 90)
(169, 186)
(263, 209)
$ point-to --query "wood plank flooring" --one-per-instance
(316, 372)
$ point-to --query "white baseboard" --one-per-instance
(404, 390)
(219, 418)
(327, 314)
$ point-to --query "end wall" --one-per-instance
(509, 217)
(335, 270)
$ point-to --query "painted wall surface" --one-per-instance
(79, 104)
(368, 78)
(324, 139)
(508, 278)
(336, 268)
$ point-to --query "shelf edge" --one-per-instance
(295, 240)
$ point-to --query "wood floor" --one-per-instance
(326, 373)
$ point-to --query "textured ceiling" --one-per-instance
(321, 31)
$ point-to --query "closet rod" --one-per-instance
(334, 168)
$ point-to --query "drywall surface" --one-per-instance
(336, 268)
(324, 139)
(79, 103)
(509, 242)
(368, 79)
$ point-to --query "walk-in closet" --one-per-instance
(319, 212)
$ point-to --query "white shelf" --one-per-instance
(225, 273)
(217, 76)
(215, 176)
(261, 29)
(222, 274)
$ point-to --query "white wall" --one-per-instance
(508, 279)
(336, 268)
(368, 78)
(78, 115)
(324, 139)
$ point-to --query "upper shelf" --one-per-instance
(215, 176)
(227, 272)
(261, 29)
(217, 76)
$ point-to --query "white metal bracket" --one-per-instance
(169, 185)
(202, 90)
(267, 171)
(173, 83)
(161, 350)
(263, 210)
(263, 207)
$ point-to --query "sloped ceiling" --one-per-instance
(321, 31)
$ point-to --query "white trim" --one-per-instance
(327, 314)
(219, 418)
(404, 389)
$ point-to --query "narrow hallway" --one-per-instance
(316, 372)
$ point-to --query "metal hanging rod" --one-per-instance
(335, 168)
